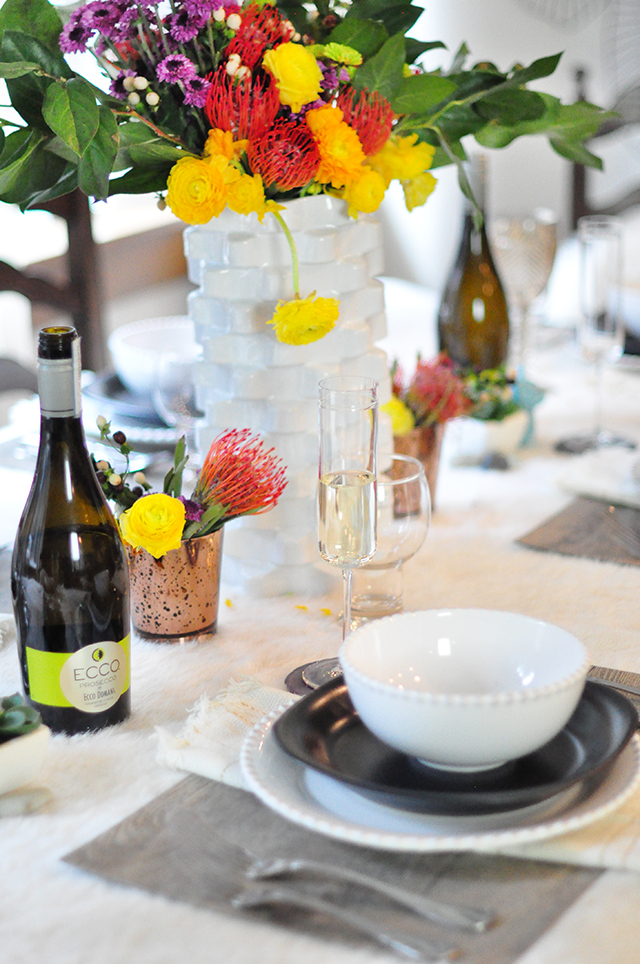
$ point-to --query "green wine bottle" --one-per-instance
(70, 582)
(473, 323)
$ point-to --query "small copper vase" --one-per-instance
(424, 444)
(175, 598)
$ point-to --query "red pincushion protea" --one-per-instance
(286, 155)
(260, 28)
(370, 115)
(436, 393)
(241, 475)
(246, 107)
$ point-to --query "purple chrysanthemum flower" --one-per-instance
(196, 90)
(75, 35)
(175, 67)
(184, 25)
(203, 8)
(192, 510)
(101, 15)
(329, 77)
(125, 29)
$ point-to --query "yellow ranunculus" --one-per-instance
(222, 142)
(402, 158)
(246, 195)
(341, 154)
(365, 193)
(197, 188)
(296, 73)
(402, 419)
(155, 523)
(418, 189)
(304, 320)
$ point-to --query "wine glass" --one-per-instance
(600, 329)
(403, 516)
(174, 396)
(524, 248)
(348, 427)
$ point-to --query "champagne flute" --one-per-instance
(601, 329)
(348, 425)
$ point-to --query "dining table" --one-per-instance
(61, 908)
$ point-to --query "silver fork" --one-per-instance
(447, 915)
(413, 947)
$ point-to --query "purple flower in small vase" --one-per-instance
(195, 91)
(192, 510)
(174, 68)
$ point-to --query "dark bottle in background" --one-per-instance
(473, 323)
(70, 582)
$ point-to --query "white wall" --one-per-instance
(527, 174)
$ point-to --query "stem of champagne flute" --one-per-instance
(346, 603)
(599, 400)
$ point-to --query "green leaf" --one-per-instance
(2, 140)
(140, 180)
(17, 69)
(154, 151)
(416, 95)
(383, 72)
(15, 157)
(461, 120)
(96, 164)
(397, 18)
(566, 125)
(67, 182)
(57, 146)
(206, 523)
(38, 18)
(511, 106)
(40, 172)
(71, 112)
(539, 68)
(574, 151)
(27, 93)
(363, 35)
(415, 48)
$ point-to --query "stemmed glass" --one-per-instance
(601, 329)
(524, 249)
(174, 396)
(348, 428)
(404, 513)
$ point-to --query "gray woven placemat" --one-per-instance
(177, 846)
(582, 529)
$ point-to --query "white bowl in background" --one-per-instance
(136, 349)
(464, 689)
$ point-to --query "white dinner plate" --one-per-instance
(313, 800)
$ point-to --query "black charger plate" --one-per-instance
(324, 732)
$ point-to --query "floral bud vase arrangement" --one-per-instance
(174, 543)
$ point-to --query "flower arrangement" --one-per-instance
(492, 393)
(435, 393)
(218, 104)
(239, 477)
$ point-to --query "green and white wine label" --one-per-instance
(92, 679)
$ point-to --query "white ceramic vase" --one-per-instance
(248, 379)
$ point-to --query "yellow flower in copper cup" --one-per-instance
(155, 523)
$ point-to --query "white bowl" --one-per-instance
(22, 757)
(137, 348)
(464, 689)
